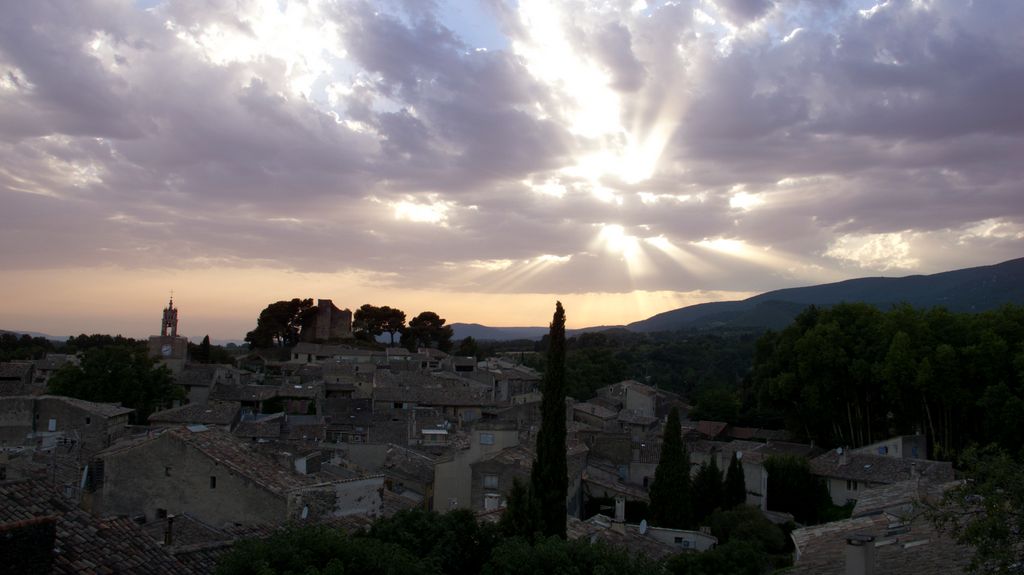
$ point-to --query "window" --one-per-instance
(490, 481)
(213, 482)
(492, 501)
(486, 439)
(161, 513)
(851, 485)
(167, 471)
(88, 420)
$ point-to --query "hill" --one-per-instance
(967, 290)
(485, 333)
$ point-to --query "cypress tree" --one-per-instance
(522, 514)
(670, 492)
(549, 477)
(707, 489)
(735, 484)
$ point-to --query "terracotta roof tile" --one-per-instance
(83, 543)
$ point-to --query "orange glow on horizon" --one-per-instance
(224, 303)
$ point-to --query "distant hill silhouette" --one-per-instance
(36, 334)
(967, 290)
(485, 333)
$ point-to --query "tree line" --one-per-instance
(282, 324)
(852, 374)
(692, 363)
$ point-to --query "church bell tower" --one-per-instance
(169, 326)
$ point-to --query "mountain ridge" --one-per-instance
(965, 290)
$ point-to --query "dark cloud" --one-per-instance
(741, 12)
(800, 133)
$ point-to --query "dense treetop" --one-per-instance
(118, 374)
(852, 374)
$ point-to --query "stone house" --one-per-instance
(197, 379)
(16, 378)
(327, 323)
(45, 419)
(216, 478)
(597, 416)
(41, 533)
(453, 472)
(847, 474)
(895, 538)
(492, 476)
(905, 446)
(460, 405)
(223, 415)
(48, 366)
(348, 419)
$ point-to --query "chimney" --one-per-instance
(842, 455)
(619, 521)
(169, 531)
(860, 554)
(915, 473)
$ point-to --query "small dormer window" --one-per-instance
(213, 482)
(88, 420)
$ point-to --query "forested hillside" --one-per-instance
(853, 374)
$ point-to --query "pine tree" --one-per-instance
(670, 492)
(522, 515)
(549, 477)
(203, 353)
(707, 489)
(735, 484)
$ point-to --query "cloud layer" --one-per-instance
(604, 147)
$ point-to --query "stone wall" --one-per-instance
(169, 475)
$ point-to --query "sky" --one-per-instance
(485, 159)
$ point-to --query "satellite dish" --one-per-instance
(739, 455)
(643, 527)
(839, 451)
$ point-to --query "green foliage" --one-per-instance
(851, 375)
(427, 330)
(554, 556)
(522, 515)
(84, 342)
(683, 362)
(733, 558)
(369, 321)
(670, 492)
(423, 542)
(792, 489)
(706, 490)
(453, 542)
(200, 353)
(717, 404)
(986, 512)
(747, 523)
(549, 476)
(468, 348)
(118, 375)
(320, 551)
(592, 368)
(24, 346)
(279, 323)
(734, 491)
